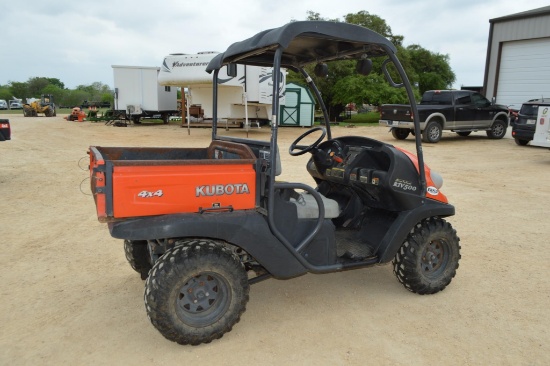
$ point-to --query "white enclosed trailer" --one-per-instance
(542, 131)
(241, 99)
(138, 93)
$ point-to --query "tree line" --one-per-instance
(36, 86)
(426, 70)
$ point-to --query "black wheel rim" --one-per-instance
(434, 258)
(203, 299)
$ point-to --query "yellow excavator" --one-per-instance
(44, 105)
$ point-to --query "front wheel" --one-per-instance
(432, 132)
(428, 259)
(196, 292)
(498, 130)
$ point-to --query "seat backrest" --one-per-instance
(229, 150)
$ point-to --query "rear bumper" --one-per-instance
(523, 133)
(399, 124)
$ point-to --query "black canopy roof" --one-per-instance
(303, 43)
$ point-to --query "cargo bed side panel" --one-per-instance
(157, 190)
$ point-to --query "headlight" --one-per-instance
(437, 179)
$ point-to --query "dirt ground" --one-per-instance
(68, 296)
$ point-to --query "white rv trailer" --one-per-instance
(242, 99)
(138, 94)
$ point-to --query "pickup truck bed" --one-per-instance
(134, 181)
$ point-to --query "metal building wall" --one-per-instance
(533, 24)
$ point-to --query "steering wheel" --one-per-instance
(304, 149)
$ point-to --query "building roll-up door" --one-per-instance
(524, 71)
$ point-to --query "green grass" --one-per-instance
(360, 119)
(60, 111)
(369, 117)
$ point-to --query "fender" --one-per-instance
(406, 220)
(246, 229)
(499, 114)
(436, 115)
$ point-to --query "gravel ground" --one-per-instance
(68, 295)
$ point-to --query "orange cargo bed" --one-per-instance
(131, 182)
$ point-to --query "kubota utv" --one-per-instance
(203, 224)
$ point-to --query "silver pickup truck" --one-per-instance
(460, 111)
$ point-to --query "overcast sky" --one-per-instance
(77, 42)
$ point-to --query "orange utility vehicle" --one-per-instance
(202, 224)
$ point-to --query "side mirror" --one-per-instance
(232, 70)
(364, 66)
(321, 70)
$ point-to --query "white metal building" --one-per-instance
(518, 57)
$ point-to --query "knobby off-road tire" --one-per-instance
(400, 133)
(428, 259)
(27, 111)
(137, 254)
(196, 292)
(432, 132)
(498, 130)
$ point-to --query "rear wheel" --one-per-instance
(498, 130)
(521, 142)
(137, 254)
(432, 132)
(196, 292)
(400, 133)
(427, 261)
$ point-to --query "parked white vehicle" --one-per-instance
(16, 104)
(3, 104)
(139, 95)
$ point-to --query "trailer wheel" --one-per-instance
(196, 292)
(399, 133)
(498, 130)
(137, 254)
(432, 132)
(428, 259)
